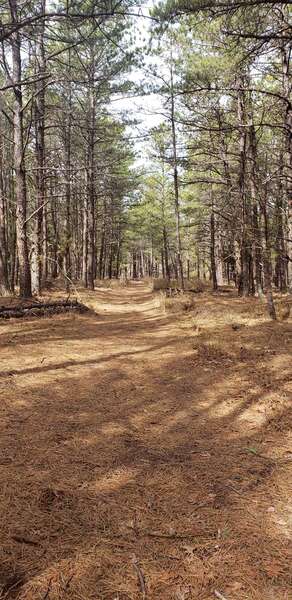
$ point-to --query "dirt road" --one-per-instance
(139, 460)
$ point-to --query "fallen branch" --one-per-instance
(175, 536)
(24, 540)
(67, 584)
(37, 304)
(219, 595)
(48, 590)
(36, 310)
(141, 577)
(256, 453)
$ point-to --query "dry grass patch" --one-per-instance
(178, 304)
(193, 285)
(113, 284)
(212, 352)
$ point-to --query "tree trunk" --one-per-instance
(85, 242)
(102, 250)
(134, 271)
(281, 261)
(212, 250)
(118, 256)
(54, 220)
(244, 251)
(67, 149)
(286, 52)
(257, 237)
(19, 164)
(268, 259)
(91, 229)
(90, 178)
(4, 281)
(39, 120)
(175, 181)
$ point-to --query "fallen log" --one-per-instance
(35, 309)
(37, 304)
(171, 291)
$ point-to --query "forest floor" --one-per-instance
(145, 455)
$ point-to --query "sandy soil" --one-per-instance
(145, 455)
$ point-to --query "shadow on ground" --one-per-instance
(156, 459)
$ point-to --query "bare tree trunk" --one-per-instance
(212, 246)
(110, 259)
(142, 272)
(85, 242)
(281, 260)
(118, 256)
(268, 269)
(257, 237)
(39, 118)
(44, 246)
(268, 259)
(19, 165)
(165, 259)
(286, 53)
(162, 263)
(175, 180)
(4, 282)
(54, 220)
(101, 253)
(244, 253)
(90, 178)
(68, 135)
(165, 252)
(135, 273)
(91, 227)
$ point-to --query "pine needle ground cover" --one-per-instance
(146, 454)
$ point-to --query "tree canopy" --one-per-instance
(213, 195)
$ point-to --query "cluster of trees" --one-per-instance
(65, 162)
(217, 200)
(222, 168)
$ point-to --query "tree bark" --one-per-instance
(281, 260)
(175, 180)
(19, 161)
(268, 258)
(39, 120)
(85, 242)
(257, 236)
(286, 52)
(244, 253)
(212, 246)
(4, 281)
(90, 178)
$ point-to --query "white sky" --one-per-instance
(145, 109)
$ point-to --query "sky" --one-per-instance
(145, 109)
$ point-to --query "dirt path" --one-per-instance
(140, 461)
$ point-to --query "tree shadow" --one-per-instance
(175, 459)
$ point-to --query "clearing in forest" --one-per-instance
(146, 455)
